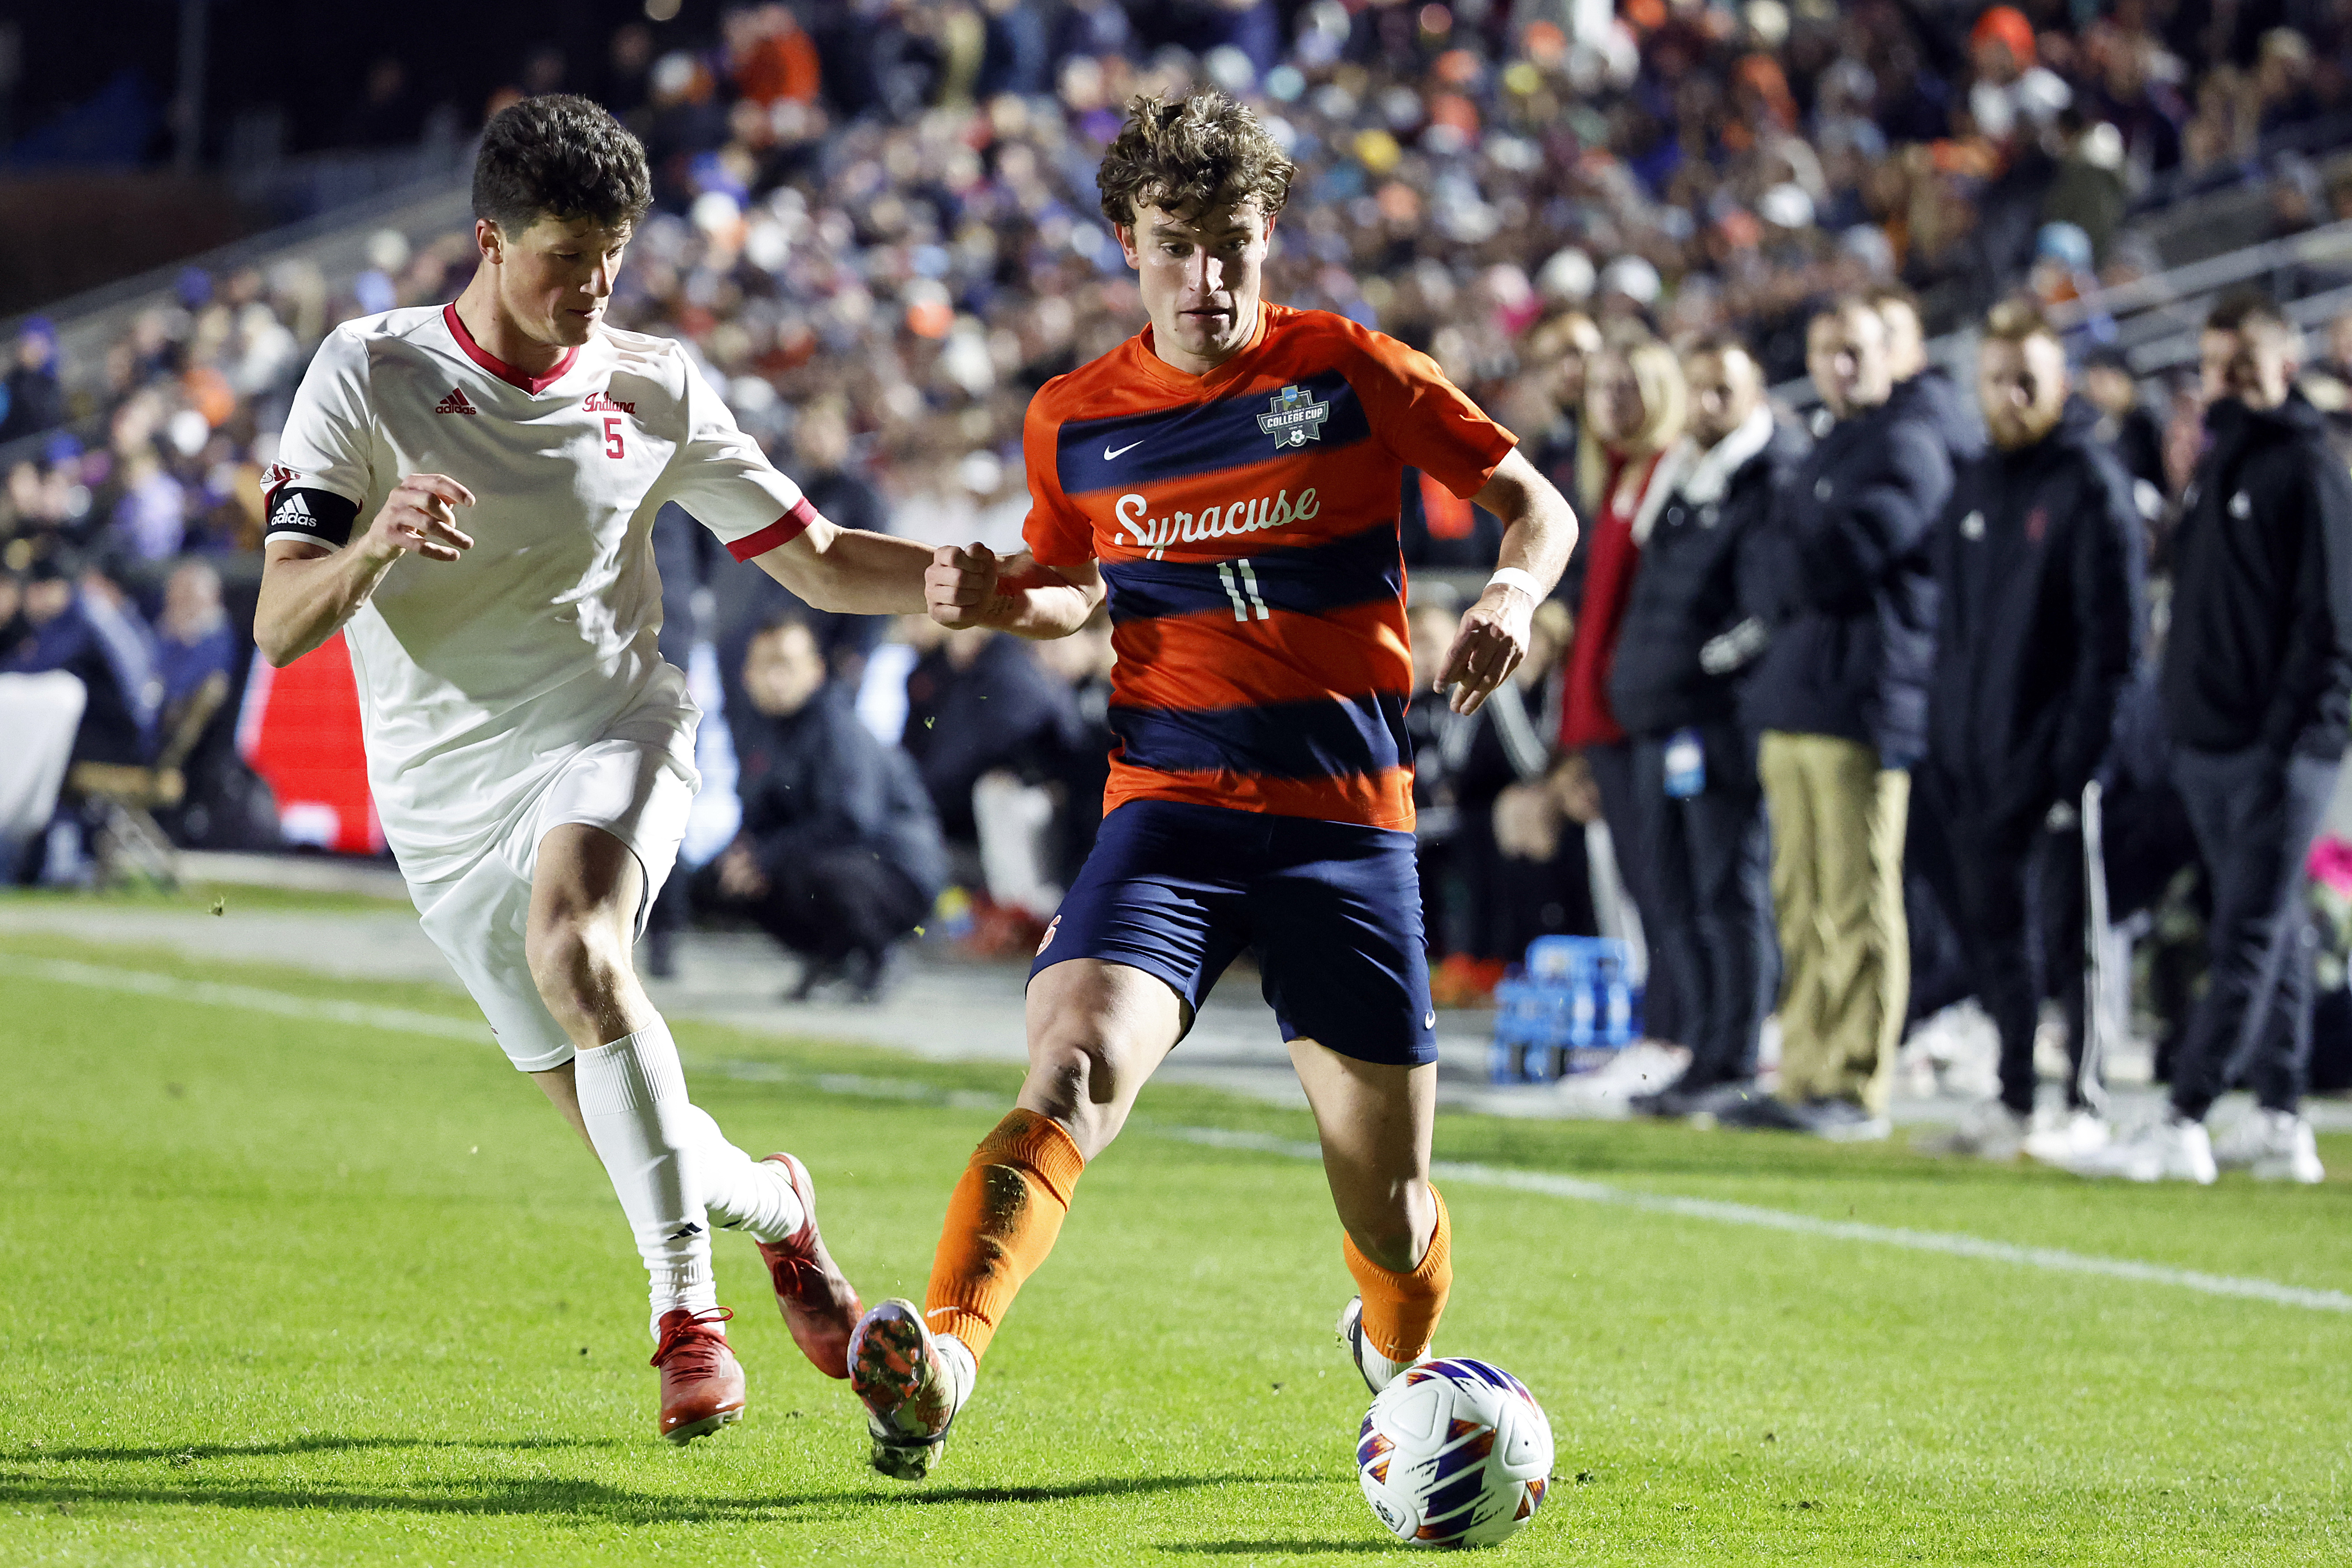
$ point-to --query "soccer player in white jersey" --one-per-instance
(530, 753)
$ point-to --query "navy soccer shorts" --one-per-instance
(1331, 910)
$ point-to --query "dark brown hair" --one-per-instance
(1881, 295)
(2015, 320)
(1722, 341)
(1189, 156)
(2246, 309)
(562, 156)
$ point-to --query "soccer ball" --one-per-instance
(1455, 1453)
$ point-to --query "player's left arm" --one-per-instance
(1538, 532)
(849, 571)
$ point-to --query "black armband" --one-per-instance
(322, 517)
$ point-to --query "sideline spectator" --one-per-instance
(32, 399)
(1636, 405)
(192, 639)
(1510, 899)
(1441, 742)
(2038, 581)
(1923, 390)
(2126, 429)
(1686, 644)
(978, 703)
(839, 856)
(67, 631)
(1839, 697)
(743, 602)
(2257, 674)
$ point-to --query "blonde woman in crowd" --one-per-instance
(1635, 405)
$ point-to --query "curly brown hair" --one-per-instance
(1192, 155)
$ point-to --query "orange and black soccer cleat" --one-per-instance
(701, 1382)
(819, 1304)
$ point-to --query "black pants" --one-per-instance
(1707, 864)
(2255, 816)
(827, 906)
(1626, 811)
(2013, 892)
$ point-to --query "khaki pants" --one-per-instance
(1837, 886)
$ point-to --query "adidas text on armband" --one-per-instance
(320, 516)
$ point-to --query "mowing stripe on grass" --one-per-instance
(409, 1021)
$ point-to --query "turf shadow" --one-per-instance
(323, 1444)
(589, 1503)
(584, 1502)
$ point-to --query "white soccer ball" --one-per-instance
(1455, 1453)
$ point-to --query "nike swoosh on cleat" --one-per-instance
(1109, 456)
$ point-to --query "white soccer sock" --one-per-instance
(739, 1192)
(633, 1099)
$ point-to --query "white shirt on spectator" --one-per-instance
(479, 678)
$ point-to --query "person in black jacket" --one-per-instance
(1839, 697)
(745, 602)
(839, 855)
(2257, 691)
(2038, 581)
(1923, 390)
(1675, 689)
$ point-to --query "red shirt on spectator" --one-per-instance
(1585, 716)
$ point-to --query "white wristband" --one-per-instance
(1512, 577)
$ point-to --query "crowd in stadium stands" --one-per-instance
(878, 231)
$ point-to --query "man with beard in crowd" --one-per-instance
(2037, 577)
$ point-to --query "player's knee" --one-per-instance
(1077, 1083)
(1070, 1078)
(573, 964)
(1393, 1231)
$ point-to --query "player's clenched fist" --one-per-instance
(958, 584)
(420, 515)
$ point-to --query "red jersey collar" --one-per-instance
(1169, 375)
(534, 384)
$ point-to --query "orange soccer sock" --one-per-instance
(1400, 1311)
(1002, 1222)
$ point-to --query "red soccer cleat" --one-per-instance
(701, 1382)
(820, 1306)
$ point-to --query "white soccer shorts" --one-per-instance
(480, 916)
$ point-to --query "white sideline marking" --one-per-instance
(2055, 1259)
(323, 1009)
(404, 1020)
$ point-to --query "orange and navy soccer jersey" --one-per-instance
(1246, 524)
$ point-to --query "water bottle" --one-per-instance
(1685, 761)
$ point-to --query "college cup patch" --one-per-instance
(1293, 417)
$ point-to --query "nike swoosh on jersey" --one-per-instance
(1111, 457)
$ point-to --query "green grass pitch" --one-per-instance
(280, 1290)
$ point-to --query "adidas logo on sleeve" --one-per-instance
(322, 517)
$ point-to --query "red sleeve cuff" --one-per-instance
(783, 530)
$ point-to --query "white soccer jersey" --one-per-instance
(479, 677)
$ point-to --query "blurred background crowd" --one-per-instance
(876, 227)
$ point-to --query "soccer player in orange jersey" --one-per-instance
(1229, 477)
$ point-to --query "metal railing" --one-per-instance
(2156, 318)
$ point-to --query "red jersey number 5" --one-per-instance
(613, 438)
